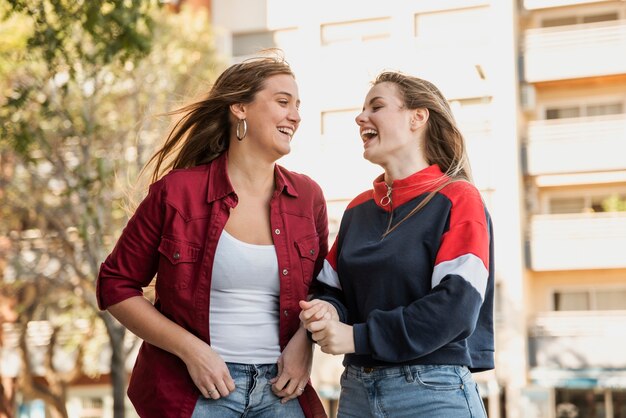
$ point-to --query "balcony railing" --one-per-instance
(575, 51)
(577, 145)
(578, 241)
(544, 4)
(578, 340)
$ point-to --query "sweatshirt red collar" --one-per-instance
(403, 190)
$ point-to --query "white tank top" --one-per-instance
(244, 308)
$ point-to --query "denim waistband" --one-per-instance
(361, 372)
(257, 369)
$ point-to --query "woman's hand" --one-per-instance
(316, 310)
(332, 336)
(294, 367)
(208, 370)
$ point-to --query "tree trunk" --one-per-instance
(116, 333)
(7, 397)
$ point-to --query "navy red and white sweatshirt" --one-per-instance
(423, 294)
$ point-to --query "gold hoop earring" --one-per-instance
(242, 129)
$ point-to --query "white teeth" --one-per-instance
(368, 134)
(287, 131)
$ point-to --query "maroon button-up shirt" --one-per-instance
(174, 234)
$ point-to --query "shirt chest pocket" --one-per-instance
(308, 249)
(177, 263)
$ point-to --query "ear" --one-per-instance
(238, 110)
(419, 118)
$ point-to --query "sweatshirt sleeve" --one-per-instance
(133, 262)
(328, 287)
(449, 312)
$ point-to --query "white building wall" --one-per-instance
(468, 49)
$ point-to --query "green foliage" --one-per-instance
(80, 128)
(81, 83)
(614, 203)
(66, 32)
(64, 44)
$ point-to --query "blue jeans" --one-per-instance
(409, 391)
(252, 398)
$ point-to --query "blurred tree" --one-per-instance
(77, 81)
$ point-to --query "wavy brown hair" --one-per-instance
(203, 131)
(444, 144)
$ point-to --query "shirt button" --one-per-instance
(285, 312)
(311, 252)
(285, 272)
(176, 255)
(277, 231)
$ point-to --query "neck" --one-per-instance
(250, 174)
(398, 170)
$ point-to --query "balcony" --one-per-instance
(544, 4)
(589, 144)
(577, 340)
(578, 241)
(576, 51)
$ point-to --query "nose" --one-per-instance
(294, 116)
(360, 118)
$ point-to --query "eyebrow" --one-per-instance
(286, 94)
(373, 99)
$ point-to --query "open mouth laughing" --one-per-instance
(367, 134)
(286, 130)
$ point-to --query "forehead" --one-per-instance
(385, 90)
(281, 83)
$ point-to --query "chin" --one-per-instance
(369, 156)
(284, 150)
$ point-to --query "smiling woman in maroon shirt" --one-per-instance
(235, 241)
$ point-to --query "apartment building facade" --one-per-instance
(539, 90)
(574, 113)
(336, 49)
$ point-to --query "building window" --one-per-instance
(361, 30)
(462, 25)
(92, 407)
(605, 17)
(562, 112)
(576, 111)
(587, 203)
(571, 301)
(559, 21)
(559, 205)
(575, 20)
(610, 300)
(599, 299)
(604, 109)
(251, 43)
